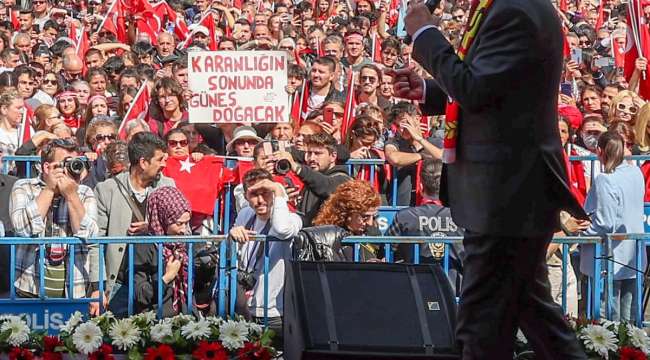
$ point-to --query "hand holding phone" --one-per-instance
(328, 116)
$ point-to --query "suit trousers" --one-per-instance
(505, 287)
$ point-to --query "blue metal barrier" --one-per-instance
(70, 303)
(28, 160)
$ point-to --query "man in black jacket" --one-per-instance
(508, 182)
(320, 174)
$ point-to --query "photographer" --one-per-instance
(56, 205)
(267, 214)
(281, 170)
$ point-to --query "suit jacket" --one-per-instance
(509, 177)
(114, 217)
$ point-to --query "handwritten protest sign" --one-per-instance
(238, 86)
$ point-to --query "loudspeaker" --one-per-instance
(368, 311)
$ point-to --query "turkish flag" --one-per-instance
(165, 12)
(115, 22)
(138, 109)
(209, 23)
(201, 182)
(350, 105)
(645, 169)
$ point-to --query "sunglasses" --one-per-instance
(175, 143)
(100, 137)
(49, 82)
(632, 110)
(369, 79)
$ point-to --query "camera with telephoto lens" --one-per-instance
(74, 166)
(283, 166)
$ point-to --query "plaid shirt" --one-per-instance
(28, 222)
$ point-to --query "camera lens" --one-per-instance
(75, 166)
(282, 167)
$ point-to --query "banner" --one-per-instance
(238, 86)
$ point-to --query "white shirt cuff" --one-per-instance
(420, 31)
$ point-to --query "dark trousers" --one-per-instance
(505, 287)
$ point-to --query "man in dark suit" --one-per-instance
(508, 181)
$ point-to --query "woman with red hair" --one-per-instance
(350, 211)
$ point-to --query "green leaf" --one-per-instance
(134, 354)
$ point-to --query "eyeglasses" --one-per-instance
(73, 75)
(632, 110)
(100, 137)
(369, 79)
(177, 143)
(49, 82)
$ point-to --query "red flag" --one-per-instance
(115, 22)
(566, 51)
(632, 52)
(138, 109)
(25, 131)
(203, 194)
(645, 169)
(144, 26)
(299, 106)
(165, 12)
(73, 32)
(601, 15)
(564, 7)
(14, 20)
(350, 105)
(241, 169)
(138, 6)
(83, 45)
(208, 22)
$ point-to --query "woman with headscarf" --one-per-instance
(168, 214)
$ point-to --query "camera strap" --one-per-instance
(257, 249)
(129, 200)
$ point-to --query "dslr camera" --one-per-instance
(74, 166)
(282, 167)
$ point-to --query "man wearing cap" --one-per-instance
(354, 51)
(243, 142)
(200, 35)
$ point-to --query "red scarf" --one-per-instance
(477, 14)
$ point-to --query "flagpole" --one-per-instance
(128, 112)
(101, 25)
(635, 19)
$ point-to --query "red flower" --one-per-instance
(17, 353)
(253, 351)
(207, 351)
(162, 352)
(630, 353)
(105, 352)
(49, 355)
(50, 343)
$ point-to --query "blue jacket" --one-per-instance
(615, 204)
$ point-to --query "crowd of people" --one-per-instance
(71, 72)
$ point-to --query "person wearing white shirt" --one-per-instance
(266, 214)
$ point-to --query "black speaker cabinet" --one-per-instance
(368, 311)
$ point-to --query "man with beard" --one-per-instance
(121, 199)
(320, 174)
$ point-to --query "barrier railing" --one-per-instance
(100, 243)
(7, 160)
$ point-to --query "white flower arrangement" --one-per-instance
(233, 334)
(134, 336)
(125, 334)
(87, 337)
(18, 332)
(598, 339)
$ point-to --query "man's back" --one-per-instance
(509, 176)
